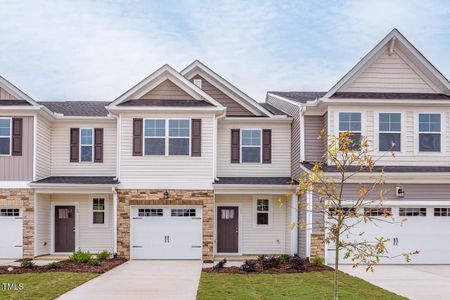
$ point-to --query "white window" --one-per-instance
(412, 211)
(183, 212)
(198, 82)
(378, 211)
(389, 128)
(5, 136)
(179, 137)
(86, 144)
(98, 211)
(442, 211)
(429, 132)
(351, 122)
(9, 212)
(251, 146)
(155, 137)
(262, 212)
(150, 212)
(167, 137)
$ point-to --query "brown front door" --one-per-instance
(227, 229)
(64, 228)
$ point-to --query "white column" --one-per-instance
(294, 220)
(309, 221)
(114, 221)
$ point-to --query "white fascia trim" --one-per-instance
(214, 76)
(285, 99)
(167, 185)
(14, 185)
(302, 134)
(20, 107)
(97, 118)
(410, 177)
(386, 101)
(164, 108)
(250, 189)
(74, 189)
(258, 119)
(402, 202)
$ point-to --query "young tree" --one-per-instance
(350, 155)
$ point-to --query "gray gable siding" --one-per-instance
(314, 146)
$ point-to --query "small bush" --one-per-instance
(270, 262)
(26, 263)
(94, 262)
(317, 260)
(220, 264)
(249, 266)
(284, 258)
(297, 263)
(81, 256)
(52, 266)
(261, 257)
(104, 255)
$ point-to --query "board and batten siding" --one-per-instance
(61, 165)
(171, 168)
(254, 239)
(314, 145)
(389, 73)
(20, 168)
(281, 150)
(409, 140)
(293, 111)
(43, 148)
(167, 90)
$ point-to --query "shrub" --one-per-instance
(261, 257)
(220, 264)
(52, 265)
(317, 260)
(104, 255)
(81, 256)
(26, 263)
(270, 262)
(249, 266)
(284, 258)
(94, 262)
(297, 263)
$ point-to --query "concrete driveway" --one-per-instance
(411, 281)
(143, 279)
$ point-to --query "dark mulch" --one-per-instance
(283, 268)
(68, 266)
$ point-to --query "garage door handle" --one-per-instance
(196, 246)
(197, 218)
(136, 218)
(18, 218)
(137, 246)
(18, 246)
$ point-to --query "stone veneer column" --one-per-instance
(129, 197)
(23, 198)
(318, 245)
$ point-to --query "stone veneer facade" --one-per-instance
(318, 245)
(23, 198)
(129, 197)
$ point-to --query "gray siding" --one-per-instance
(20, 168)
(314, 146)
(302, 226)
(4, 95)
(167, 90)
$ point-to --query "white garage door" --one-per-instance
(166, 232)
(427, 229)
(11, 232)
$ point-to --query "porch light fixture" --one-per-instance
(166, 195)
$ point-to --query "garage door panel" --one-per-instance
(11, 233)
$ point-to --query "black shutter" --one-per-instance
(267, 146)
(235, 146)
(17, 129)
(74, 144)
(137, 137)
(98, 145)
(196, 137)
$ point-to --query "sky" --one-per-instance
(96, 50)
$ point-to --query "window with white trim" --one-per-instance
(183, 212)
(378, 211)
(98, 211)
(412, 211)
(389, 131)
(9, 212)
(262, 212)
(351, 122)
(179, 137)
(167, 137)
(442, 211)
(5, 136)
(155, 137)
(150, 212)
(251, 143)
(86, 144)
(429, 132)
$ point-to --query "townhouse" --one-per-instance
(393, 95)
(183, 165)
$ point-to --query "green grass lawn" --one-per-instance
(40, 286)
(313, 285)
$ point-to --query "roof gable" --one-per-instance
(13, 95)
(167, 90)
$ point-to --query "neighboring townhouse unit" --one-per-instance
(394, 94)
(181, 166)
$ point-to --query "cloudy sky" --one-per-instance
(95, 50)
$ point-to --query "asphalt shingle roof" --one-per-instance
(254, 180)
(77, 108)
(301, 97)
(79, 180)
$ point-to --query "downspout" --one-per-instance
(302, 134)
(216, 136)
(114, 221)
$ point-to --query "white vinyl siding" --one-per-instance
(43, 148)
(281, 150)
(61, 165)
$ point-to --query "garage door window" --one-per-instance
(412, 212)
(9, 212)
(150, 212)
(183, 212)
(441, 212)
(378, 211)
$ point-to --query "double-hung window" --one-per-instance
(251, 146)
(351, 122)
(155, 137)
(98, 211)
(389, 128)
(5, 136)
(179, 137)
(429, 132)
(167, 137)
(86, 144)
(262, 212)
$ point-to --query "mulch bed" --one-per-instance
(68, 266)
(284, 268)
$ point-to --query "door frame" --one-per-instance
(228, 204)
(52, 216)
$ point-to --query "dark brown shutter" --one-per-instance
(235, 146)
(267, 146)
(196, 137)
(137, 137)
(74, 144)
(98, 145)
(17, 128)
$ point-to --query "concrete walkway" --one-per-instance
(143, 279)
(411, 281)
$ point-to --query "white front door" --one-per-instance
(166, 232)
(425, 230)
(11, 232)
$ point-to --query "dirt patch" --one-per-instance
(68, 266)
(283, 268)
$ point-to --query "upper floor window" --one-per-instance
(159, 141)
(155, 137)
(429, 132)
(5, 136)
(389, 128)
(179, 134)
(251, 146)
(86, 144)
(351, 122)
